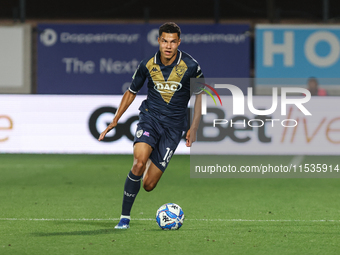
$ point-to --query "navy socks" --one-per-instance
(131, 188)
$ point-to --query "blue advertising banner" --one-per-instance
(101, 59)
(221, 50)
(297, 51)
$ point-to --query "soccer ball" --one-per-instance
(170, 216)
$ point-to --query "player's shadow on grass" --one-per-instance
(78, 233)
(104, 224)
(109, 229)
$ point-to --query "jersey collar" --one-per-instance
(157, 58)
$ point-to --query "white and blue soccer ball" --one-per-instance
(170, 216)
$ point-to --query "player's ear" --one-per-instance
(179, 41)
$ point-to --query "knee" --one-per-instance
(138, 167)
(148, 186)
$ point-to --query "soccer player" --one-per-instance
(163, 115)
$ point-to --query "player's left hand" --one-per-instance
(190, 137)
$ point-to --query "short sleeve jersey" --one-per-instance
(168, 88)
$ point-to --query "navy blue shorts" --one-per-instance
(163, 140)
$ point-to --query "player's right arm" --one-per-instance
(126, 101)
(138, 79)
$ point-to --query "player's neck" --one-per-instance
(166, 61)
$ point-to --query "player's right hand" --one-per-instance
(111, 126)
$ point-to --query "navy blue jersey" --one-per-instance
(168, 88)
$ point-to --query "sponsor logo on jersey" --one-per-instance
(167, 86)
(154, 69)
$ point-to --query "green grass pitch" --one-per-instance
(69, 204)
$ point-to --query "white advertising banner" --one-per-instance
(288, 130)
(70, 124)
(66, 124)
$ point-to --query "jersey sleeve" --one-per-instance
(198, 72)
(138, 78)
(199, 81)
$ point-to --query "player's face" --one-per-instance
(168, 45)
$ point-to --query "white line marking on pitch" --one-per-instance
(149, 219)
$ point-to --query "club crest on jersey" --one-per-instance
(167, 86)
(180, 70)
(139, 133)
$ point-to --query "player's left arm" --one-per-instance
(191, 134)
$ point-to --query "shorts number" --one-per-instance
(168, 154)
